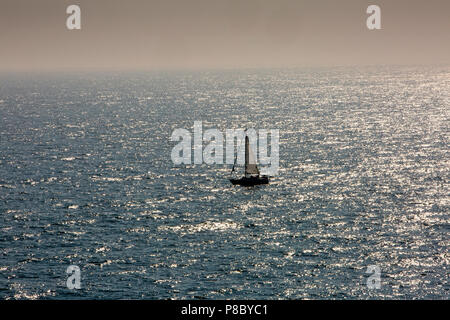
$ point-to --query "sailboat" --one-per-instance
(252, 176)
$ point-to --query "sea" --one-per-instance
(359, 208)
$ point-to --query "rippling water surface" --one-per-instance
(86, 179)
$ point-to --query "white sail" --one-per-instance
(250, 162)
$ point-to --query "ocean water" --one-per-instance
(86, 179)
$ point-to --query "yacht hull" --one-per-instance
(250, 181)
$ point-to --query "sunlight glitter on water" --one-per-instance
(86, 179)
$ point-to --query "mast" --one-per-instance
(250, 163)
(234, 164)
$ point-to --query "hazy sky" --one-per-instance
(161, 34)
